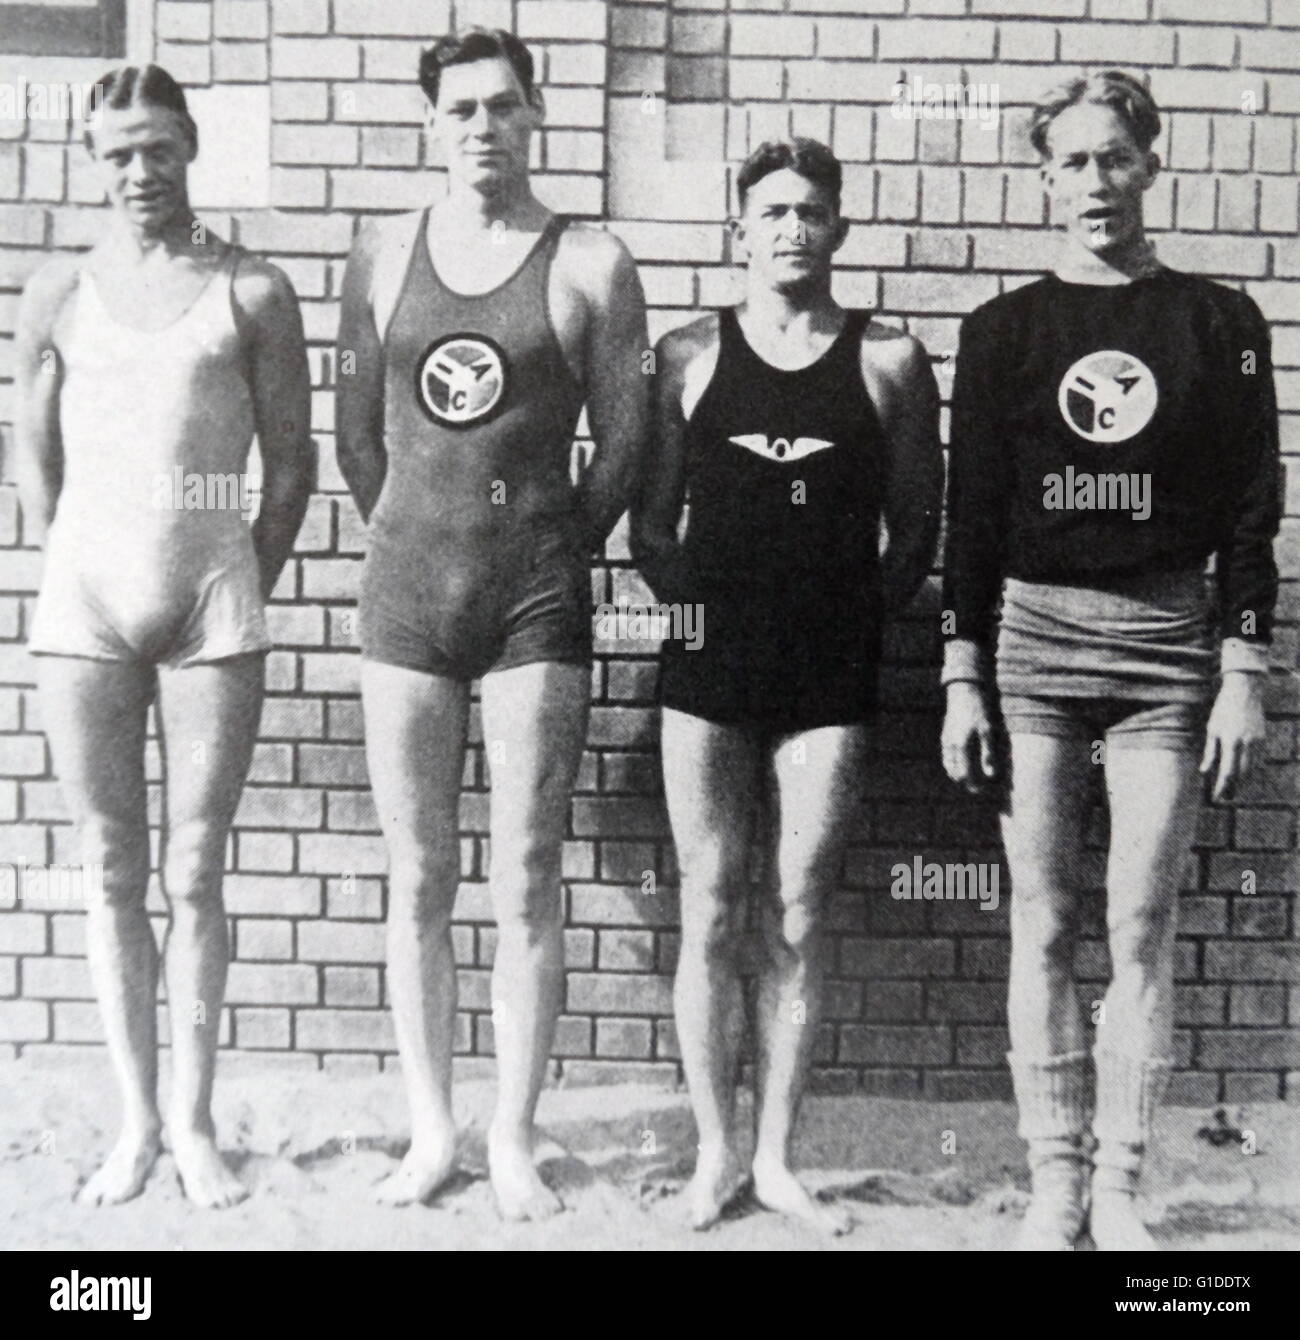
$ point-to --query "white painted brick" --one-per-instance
(406, 18)
(241, 18)
(771, 35)
(188, 63)
(190, 22)
(399, 104)
(754, 79)
(301, 16)
(391, 60)
(314, 144)
(575, 64)
(561, 18)
(1122, 43)
(841, 39)
(935, 39)
(315, 58)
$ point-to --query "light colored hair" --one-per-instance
(1126, 96)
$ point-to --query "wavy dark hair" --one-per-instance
(471, 45)
(809, 158)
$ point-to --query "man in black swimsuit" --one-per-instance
(791, 426)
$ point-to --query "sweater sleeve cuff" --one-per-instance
(1238, 654)
(963, 660)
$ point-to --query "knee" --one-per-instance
(422, 881)
(525, 887)
(1044, 939)
(708, 931)
(119, 854)
(712, 876)
(1140, 939)
(793, 926)
(192, 866)
(805, 883)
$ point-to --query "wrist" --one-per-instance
(1238, 656)
(964, 662)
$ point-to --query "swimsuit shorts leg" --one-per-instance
(1125, 724)
(85, 612)
(550, 619)
(536, 607)
(754, 668)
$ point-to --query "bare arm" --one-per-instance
(618, 393)
(39, 377)
(359, 399)
(281, 386)
(657, 507)
(914, 494)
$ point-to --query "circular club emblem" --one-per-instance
(1108, 396)
(461, 380)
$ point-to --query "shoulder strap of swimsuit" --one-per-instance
(547, 245)
(731, 339)
(397, 253)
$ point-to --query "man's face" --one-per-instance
(143, 154)
(1096, 176)
(484, 122)
(791, 230)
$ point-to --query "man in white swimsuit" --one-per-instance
(145, 368)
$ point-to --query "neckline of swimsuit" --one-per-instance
(514, 274)
(107, 312)
(851, 319)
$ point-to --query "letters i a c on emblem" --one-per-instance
(460, 380)
(1108, 396)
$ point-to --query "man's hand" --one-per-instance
(1236, 727)
(968, 733)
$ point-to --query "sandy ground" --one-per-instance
(922, 1176)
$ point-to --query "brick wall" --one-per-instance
(645, 101)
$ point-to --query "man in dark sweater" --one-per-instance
(1114, 425)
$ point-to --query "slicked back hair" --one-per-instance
(141, 86)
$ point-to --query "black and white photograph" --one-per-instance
(650, 626)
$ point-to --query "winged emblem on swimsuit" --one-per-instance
(781, 448)
(461, 380)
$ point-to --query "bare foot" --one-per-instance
(429, 1162)
(204, 1175)
(776, 1188)
(124, 1172)
(521, 1194)
(718, 1180)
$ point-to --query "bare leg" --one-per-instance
(819, 781)
(712, 775)
(209, 716)
(95, 714)
(1153, 803)
(1043, 834)
(415, 747)
(534, 728)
